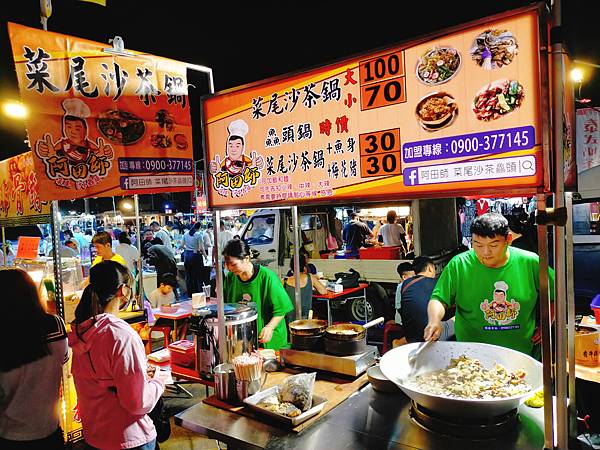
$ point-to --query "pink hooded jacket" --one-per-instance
(113, 390)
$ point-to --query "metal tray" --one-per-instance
(317, 405)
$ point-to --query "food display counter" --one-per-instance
(367, 419)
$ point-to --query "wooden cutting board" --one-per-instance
(335, 390)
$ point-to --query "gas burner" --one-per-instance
(479, 428)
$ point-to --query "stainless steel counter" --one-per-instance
(368, 419)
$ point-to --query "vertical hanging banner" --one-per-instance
(102, 124)
(588, 139)
(459, 112)
(20, 202)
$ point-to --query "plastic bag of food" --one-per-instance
(298, 390)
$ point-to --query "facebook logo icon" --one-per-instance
(411, 177)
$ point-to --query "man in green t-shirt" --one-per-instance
(495, 288)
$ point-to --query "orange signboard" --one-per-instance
(20, 202)
(102, 124)
(28, 247)
(457, 113)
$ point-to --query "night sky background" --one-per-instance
(248, 41)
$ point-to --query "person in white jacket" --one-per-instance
(109, 367)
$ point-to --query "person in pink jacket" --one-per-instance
(109, 366)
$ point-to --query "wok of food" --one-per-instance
(493, 49)
(438, 65)
(121, 127)
(436, 108)
(437, 356)
(466, 378)
(498, 99)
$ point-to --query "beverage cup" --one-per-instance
(198, 300)
(225, 384)
(206, 290)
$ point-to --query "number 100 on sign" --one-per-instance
(380, 153)
(382, 81)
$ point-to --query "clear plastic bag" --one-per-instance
(298, 390)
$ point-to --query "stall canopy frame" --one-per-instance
(552, 164)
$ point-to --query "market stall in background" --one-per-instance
(104, 121)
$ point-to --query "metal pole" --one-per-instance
(297, 296)
(546, 327)
(58, 289)
(220, 297)
(559, 232)
(4, 246)
(570, 316)
(138, 237)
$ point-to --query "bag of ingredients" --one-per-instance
(298, 390)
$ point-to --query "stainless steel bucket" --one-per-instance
(225, 386)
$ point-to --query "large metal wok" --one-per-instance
(437, 356)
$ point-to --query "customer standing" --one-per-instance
(163, 261)
(392, 233)
(192, 258)
(162, 234)
(30, 369)
(356, 233)
(250, 282)
(127, 251)
(109, 366)
(102, 242)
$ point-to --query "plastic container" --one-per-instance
(587, 346)
(379, 253)
(596, 307)
(183, 353)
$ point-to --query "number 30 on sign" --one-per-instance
(380, 153)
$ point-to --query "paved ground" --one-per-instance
(182, 439)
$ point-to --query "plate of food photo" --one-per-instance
(497, 99)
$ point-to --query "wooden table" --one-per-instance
(336, 295)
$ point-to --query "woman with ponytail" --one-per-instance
(109, 367)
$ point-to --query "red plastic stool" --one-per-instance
(166, 331)
(388, 328)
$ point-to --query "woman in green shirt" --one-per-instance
(250, 282)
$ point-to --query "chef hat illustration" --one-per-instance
(500, 286)
(238, 128)
(76, 108)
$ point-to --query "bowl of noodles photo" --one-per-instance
(438, 65)
(436, 111)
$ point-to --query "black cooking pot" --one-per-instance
(300, 342)
(345, 348)
(348, 339)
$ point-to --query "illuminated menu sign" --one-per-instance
(458, 113)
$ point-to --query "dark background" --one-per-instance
(247, 41)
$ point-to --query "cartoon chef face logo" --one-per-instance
(74, 159)
(500, 311)
(238, 172)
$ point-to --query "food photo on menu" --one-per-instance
(436, 111)
(494, 49)
(497, 99)
(438, 65)
(121, 127)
